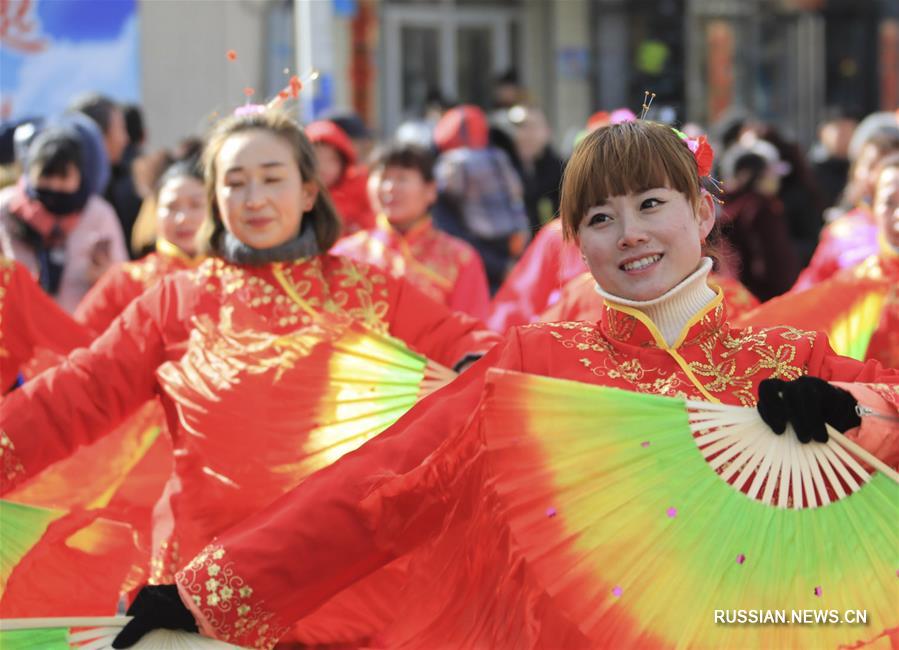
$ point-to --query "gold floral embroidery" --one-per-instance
(7, 266)
(612, 363)
(730, 361)
(11, 467)
(870, 268)
(221, 353)
(145, 271)
(728, 373)
(620, 325)
(300, 290)
(226, 601)
(165, 563)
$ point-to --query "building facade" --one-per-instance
(785, 61)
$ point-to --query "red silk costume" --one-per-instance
(30, 321)
(383, 500)
(445, 268)
(834, 303)
(843, 243)
(222, 347)
(536, 279)
(579, 300)
(125, 282)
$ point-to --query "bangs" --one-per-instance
(621, 159)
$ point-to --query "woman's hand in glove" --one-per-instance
(806, 403)
(156, 606)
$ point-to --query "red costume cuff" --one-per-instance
(224, 604)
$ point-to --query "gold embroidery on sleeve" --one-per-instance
(226, 600)
(6, 267)
(11, 467)
(728, 373)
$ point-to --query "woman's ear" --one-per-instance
(705, 213)
(310, 195)
(431, 192)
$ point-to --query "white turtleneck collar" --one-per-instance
(671, 311)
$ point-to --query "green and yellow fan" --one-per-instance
(97, 633)
(52, 559)
(651, 521)
(324, 391)
(848, 310)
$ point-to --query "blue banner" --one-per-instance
(51, 51)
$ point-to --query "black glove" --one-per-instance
(156, 606)
(806, 403)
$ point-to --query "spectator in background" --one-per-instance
(54, 221)
(852, 236)
(830, 155)
(480, 197)
(146, 171)
(181, 209)
(508, 91)
(754, 224)
(802, 202)
(862, 177)
(351, 124)
(345, 180)
(541, 166)
(120, 191)
(405, 243)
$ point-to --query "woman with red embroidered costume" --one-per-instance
(225, 345)
(851, 237)
(632, 201)
(405, 242)
(29, 321)
(180, 212)
(860, 301)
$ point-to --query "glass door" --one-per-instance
(443, 49)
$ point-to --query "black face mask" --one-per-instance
(62, 203)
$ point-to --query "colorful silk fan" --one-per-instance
(325, 392)
(93, 634)
(848, 310)
(641, 516)
(44, 552)
(108, 462)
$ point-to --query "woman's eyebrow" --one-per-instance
(239, 168)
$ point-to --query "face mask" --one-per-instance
(61, 203)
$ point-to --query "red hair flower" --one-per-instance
(704, 155)
(702, 152)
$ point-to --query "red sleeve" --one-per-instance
(526, 290)
(285, 561)
(107, 299)
(864, 380)
(471, 294)
(823, 264)
(433, 330)
(879, 431)
(30, 319)
(85, 396)
(828, 365)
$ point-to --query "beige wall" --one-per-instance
(185, 74)
(571, 97)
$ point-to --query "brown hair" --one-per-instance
(625, 158)
(405, 155)
(323, 216)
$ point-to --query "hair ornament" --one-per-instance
(702, 151)
(647, 102)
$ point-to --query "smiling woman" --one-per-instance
(242, 350)
(429, 487)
